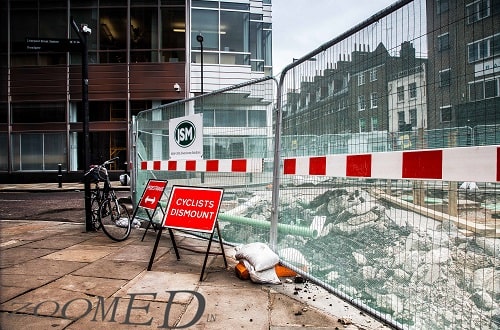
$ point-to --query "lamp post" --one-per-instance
(83, 33)
(199, 38)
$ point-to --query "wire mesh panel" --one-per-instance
(237, 151)
(377, 175)
(409, 245)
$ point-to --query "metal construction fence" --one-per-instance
(370, 165)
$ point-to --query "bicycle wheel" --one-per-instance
(94, 206)
(114, 219)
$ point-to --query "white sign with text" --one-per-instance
(186, 137)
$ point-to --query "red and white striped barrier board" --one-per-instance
(250, 165)
(480, 164)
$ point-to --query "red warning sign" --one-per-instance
(193, 208)
(152, 194)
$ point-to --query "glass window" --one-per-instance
(173, 33)
(143, 26)
(477, 11)
(113, 35)
(362, 124)
(89, 17)
(401, 93)
(267, 45)
(208, 118)
(413, 117)
(490, 88)
(256, 43)
(27, 151)
(373, 100)
(374, 123)
(206, 23)
(234, 32)
(230, 118)
(446, 114)
(445, 78)
(52, 23)
(34, 113)
(476, 91)
(481, 49)
(38, 152)
(373, 75)
(442, 6)
(54, 152)
(401, 118)
(443, 42)
(361, 102)
(412, 90)
(205, 4)
(235, 6)
(257, 118)
(361, 79)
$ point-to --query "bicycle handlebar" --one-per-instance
(109, 161)
(112, 160)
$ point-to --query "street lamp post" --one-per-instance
(83, 32)
(199, 38)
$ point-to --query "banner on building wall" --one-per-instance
(186, 137)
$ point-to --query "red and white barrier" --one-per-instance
(250, 165)
(480, 164)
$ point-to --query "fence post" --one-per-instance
(452, 185)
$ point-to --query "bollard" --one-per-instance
(59, 175)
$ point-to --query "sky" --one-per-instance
(300, 26)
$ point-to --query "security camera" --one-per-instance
(86, 29)
(177, 87)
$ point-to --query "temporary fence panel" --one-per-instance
(381, 166)
(376, 173)
(237, 150)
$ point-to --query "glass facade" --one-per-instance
(137, 50)
(231, 35)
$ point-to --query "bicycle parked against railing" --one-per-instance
(108, 212)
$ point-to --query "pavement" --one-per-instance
(55, 275)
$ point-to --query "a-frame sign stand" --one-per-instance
(192, 209)
(150, 202)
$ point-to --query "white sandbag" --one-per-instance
(260, 256)
(267, 276)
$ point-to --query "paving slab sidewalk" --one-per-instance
(54, 275)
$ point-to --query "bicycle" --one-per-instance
(108, 212)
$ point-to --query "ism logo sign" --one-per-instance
(185, 134)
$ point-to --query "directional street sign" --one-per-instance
(152, 194)
(52, 44)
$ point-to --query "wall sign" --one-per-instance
(186, 137)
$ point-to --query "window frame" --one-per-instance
(475, 14)
(400, 93)
(412, 90)
(361, 79)
(443, 41)
(373, 100)
(361, 103)
(443, 80)
(450, 115)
